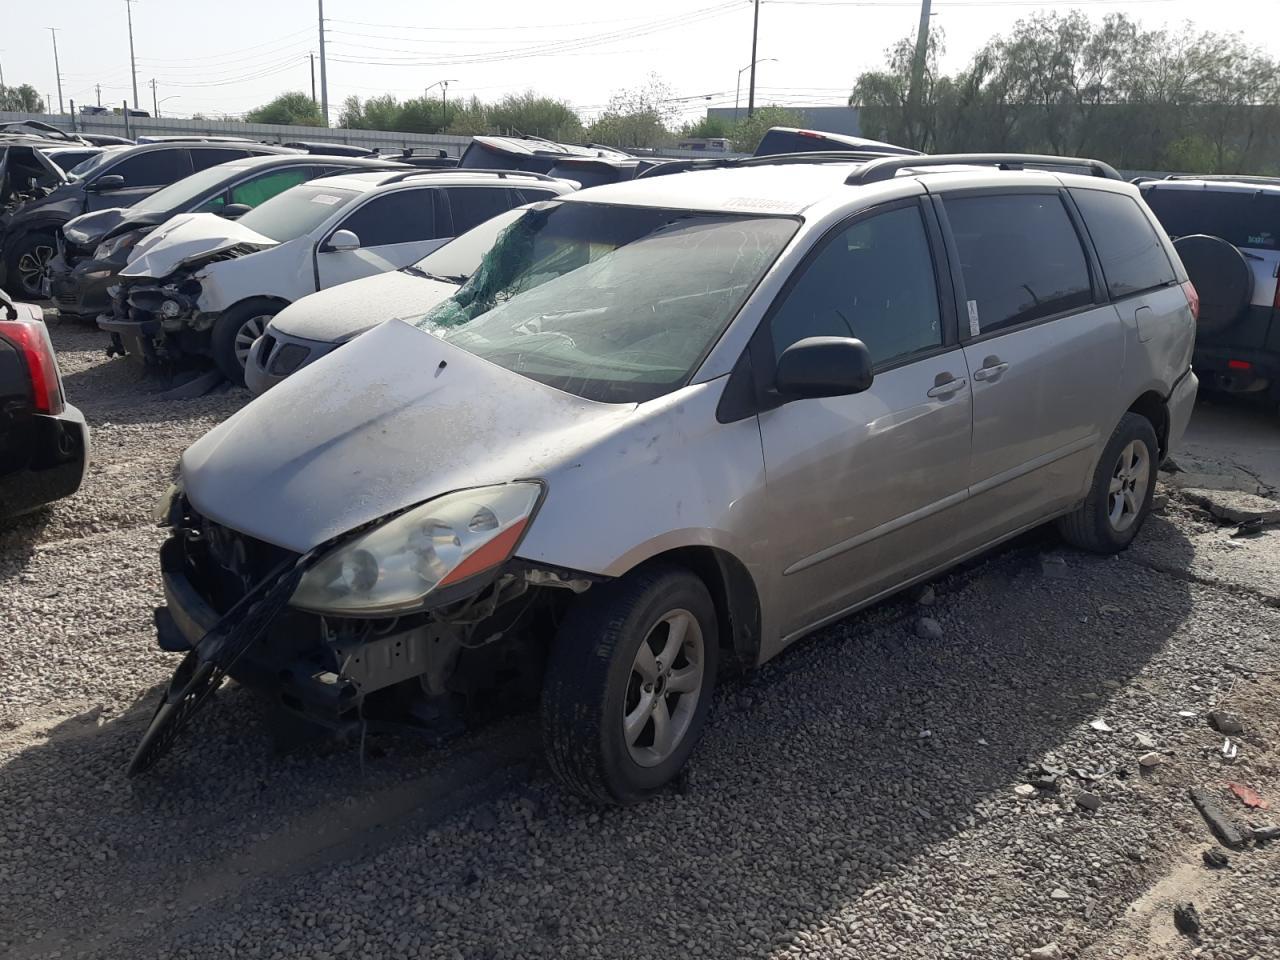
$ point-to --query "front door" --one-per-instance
(1045, 356)
(395, 230)
(863, 490)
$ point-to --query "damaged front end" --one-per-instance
(150, 320)
(236, 607)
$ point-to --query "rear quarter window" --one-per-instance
(1133, 258)
(1249, 219)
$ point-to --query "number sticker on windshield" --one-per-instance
(328, 199)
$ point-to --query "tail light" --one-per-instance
(1241, 365)
(32, 341)
(1193, 298)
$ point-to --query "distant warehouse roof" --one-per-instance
(828, 119)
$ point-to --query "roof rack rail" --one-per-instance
(665, 167)
(463, 171)
(886, 168)
(1225, 178)
(368, 168)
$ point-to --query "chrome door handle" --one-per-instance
(948, 389)
(990, 373)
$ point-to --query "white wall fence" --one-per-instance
(387, 140)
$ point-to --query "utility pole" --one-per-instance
(751, 91)
(57, 70)
(97, 88)
(917, 77)
(324, 76)
(312, 58)
(1, 75)
(133, 61)
(155, 107)
(444, 101)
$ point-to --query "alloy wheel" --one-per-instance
(1128, 490)
(33, 265)
(663, 688)
(249, 331)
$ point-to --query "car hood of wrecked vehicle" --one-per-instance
(396, 418)
(343, 311)
(187, 239)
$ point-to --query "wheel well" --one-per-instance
(1152, 406)
(278, 302)
(733, 592)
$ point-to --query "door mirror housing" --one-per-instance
(234, 211)
(111, 181)
(343, 240)
(823, 367)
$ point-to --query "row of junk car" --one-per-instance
(557, 425)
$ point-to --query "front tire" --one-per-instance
(234, 333)
(629, 683)
(28, 264)
(1120, 496)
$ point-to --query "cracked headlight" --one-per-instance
(120, 244)
(393, 567)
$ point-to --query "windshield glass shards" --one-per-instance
(616, 304)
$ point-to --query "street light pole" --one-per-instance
(133, 61)
(737, 91)
(324, 74)
(755, 33)
(57, 70)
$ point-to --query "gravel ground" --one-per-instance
(862, 796)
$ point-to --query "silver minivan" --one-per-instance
(671, 425)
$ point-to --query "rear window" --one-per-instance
(1021, 259)
(1133, 258)
(1242, 218)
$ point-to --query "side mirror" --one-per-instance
(234, 211)
(823, 367)
(112, 181)
(343, 240)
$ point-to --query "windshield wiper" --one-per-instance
(457, 280)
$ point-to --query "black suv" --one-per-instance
(116, 177)
(1227, 231)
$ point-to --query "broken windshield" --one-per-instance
(617, 304)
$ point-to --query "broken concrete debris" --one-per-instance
(1025, 790)
(928, 628)
(1221, 825)
(1187, 919)
(1089, 801)
(1101, 726)
(1149, 760)
(1225, 723)
(1215, 859)
(1050, 951)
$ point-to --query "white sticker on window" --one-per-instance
(328, 199)
(974, 329)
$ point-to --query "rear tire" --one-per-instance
(1120, 495)
(234, 333)
(619, 723)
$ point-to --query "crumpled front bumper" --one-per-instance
(81, 290)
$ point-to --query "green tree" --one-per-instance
(748, 131)
(639, 117)
(294, 107)
(534, 116)
(707, 128)
(21, 99)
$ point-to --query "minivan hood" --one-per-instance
(90, 229)
(396, 418)
(343, 311)
(188, 239)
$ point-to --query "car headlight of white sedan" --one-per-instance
(394, 566)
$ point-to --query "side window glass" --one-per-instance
(1133, 259)
(1021, 259)
(202, 158)
(403, 216)
(213, 204)
(874, 280)
(258, 189)
(472, 206)
(155, 168)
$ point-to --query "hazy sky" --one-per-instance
(231, 55)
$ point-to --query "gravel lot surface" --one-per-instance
(872, 793)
